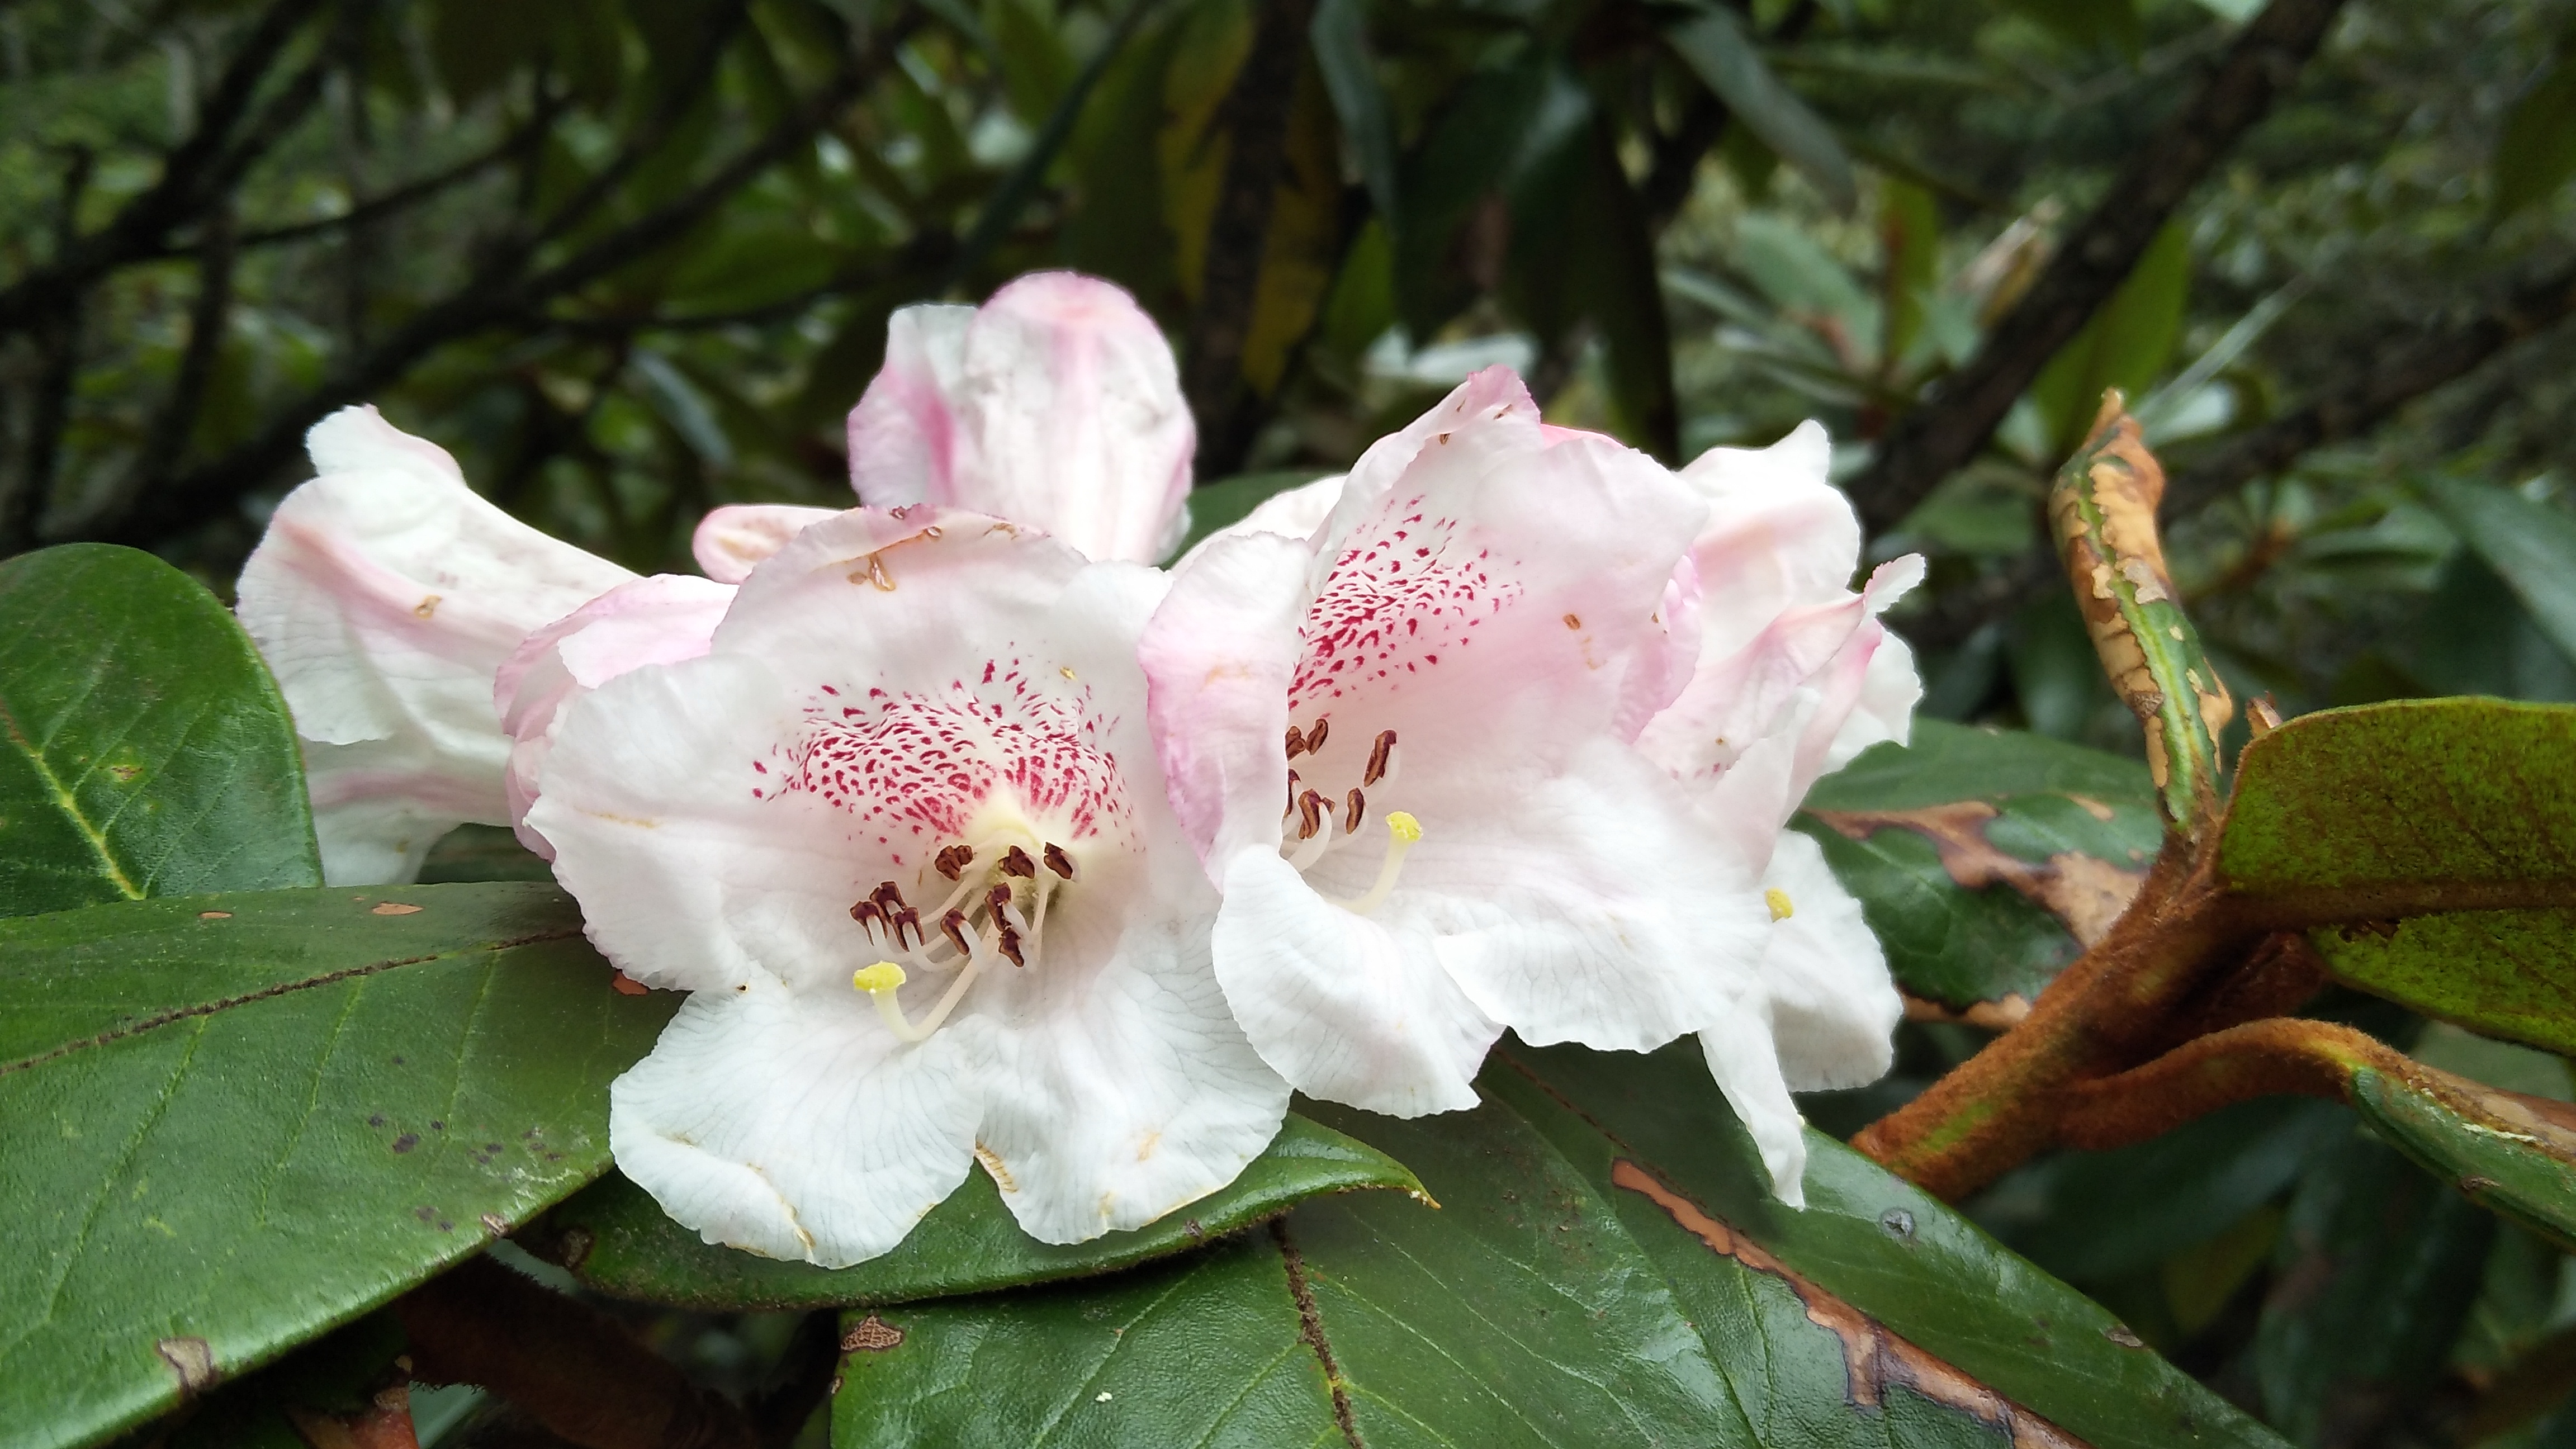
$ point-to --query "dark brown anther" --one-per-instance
(953, 861)
(1356, 807)
(905, 920)
(1016, 862)
(1296, 744)
(866, 911)
(1379, 754)
(1011, 945)
(953, 926)
(889, 898)
(1310, 814)
(997, 898)
(1058, 861)
(1315, 736)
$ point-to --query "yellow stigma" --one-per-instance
(883, 976)
(1778, 900)
(1403, 826)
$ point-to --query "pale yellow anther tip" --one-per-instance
(883, 976)
(1778, 900)
(1403, 826)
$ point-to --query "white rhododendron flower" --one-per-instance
(1403, 750)
(1056, 405)
(902, 835)
(385, 598)
(1794, 676)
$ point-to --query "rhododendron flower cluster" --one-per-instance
(976, 839)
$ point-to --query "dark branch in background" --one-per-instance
(500, 292)
(674, 104)
(1674, 171)
(209, 317)
(22, 499)
(1947, 431)
(568, 1366)
(2347, 409)
(1255, 117)
(193, 175)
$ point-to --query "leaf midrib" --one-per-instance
(282, 988)
(69, 804)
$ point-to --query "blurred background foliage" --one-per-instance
(632, 260)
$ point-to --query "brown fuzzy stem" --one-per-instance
(2282, 1056)
(568, 1366)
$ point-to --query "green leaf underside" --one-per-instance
(1605, 1267)
(617, 1240)
(2522, 1167)
(239, 1120)
(2472, 792)
(144, 750)
(2051, 832)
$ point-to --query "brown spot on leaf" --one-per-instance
(625, 985)
(192, 1361)
(407, 1142)
(2093, 807)
(2084, 892)
(2119, 1333)
(496, 1225)
(214, 915)
(871, 1335)
(395, 908)
(125, 774)
(1874, 1359)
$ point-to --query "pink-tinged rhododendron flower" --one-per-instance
(1056, 404)
(732, 540)
(1794, 675)
(1403, 750)
(902, 835)
(659, 620)
(385, 597)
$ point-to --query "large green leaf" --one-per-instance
(2125, 345)
(2535, 151)
(1984, 860)
(2439, 806)
(615, 1239)
(1711, 40)
(1605, 1266)
(2532, 546)
(144, 750)
(237, 1121)
(2511, 1154)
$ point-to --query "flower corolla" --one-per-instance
(902, 835)
(1403, 749)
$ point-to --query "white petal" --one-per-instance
(385, 597)
(1122, 1092)
(795, 1127)
(733, 540)
(1291, 513)
(1218, 657)
(1890, 689)
(1342, 1007)
(1834, 1008)
(1741, 1058)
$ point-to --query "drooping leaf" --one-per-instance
(1605, 1266)
(2531, 545)
(1713, 43)
(2536, 149)
(144, 750)
(1984, 861)
(2511, 1154)
(616, 1239)
(1339, 34)
(2375, 1270)
(2125, 345)
(2419, 817)
(238, 1121)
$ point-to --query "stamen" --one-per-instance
(1058, 861)
(1381, 758)
(1356, 805)
(1313, 849)
(866, 911)
(904, 920)
(1015, 861)
(1315, 736)
(1293, 782)
(1778, 900)
(889, 898)
(1010, 945)
(998, 900)
(953, 926)
(1310, 814)
(1296, 744)
(1403, 832)
(953, 861)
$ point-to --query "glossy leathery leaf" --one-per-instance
(144, 750)
(1605, 1266)
(1984, 860)
(2124, 346)
(2531, 546)
(240, 1120)
(2376, 1267)
(615, 1239)
(2511, 1154)
(2437, 810)
(1339, 34)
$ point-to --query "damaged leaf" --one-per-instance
(1606, 1265)
(239, 1121)
(617, 1240)
(144, 750)
(1985, 861)
(2511, 1154)
(2437, 834)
